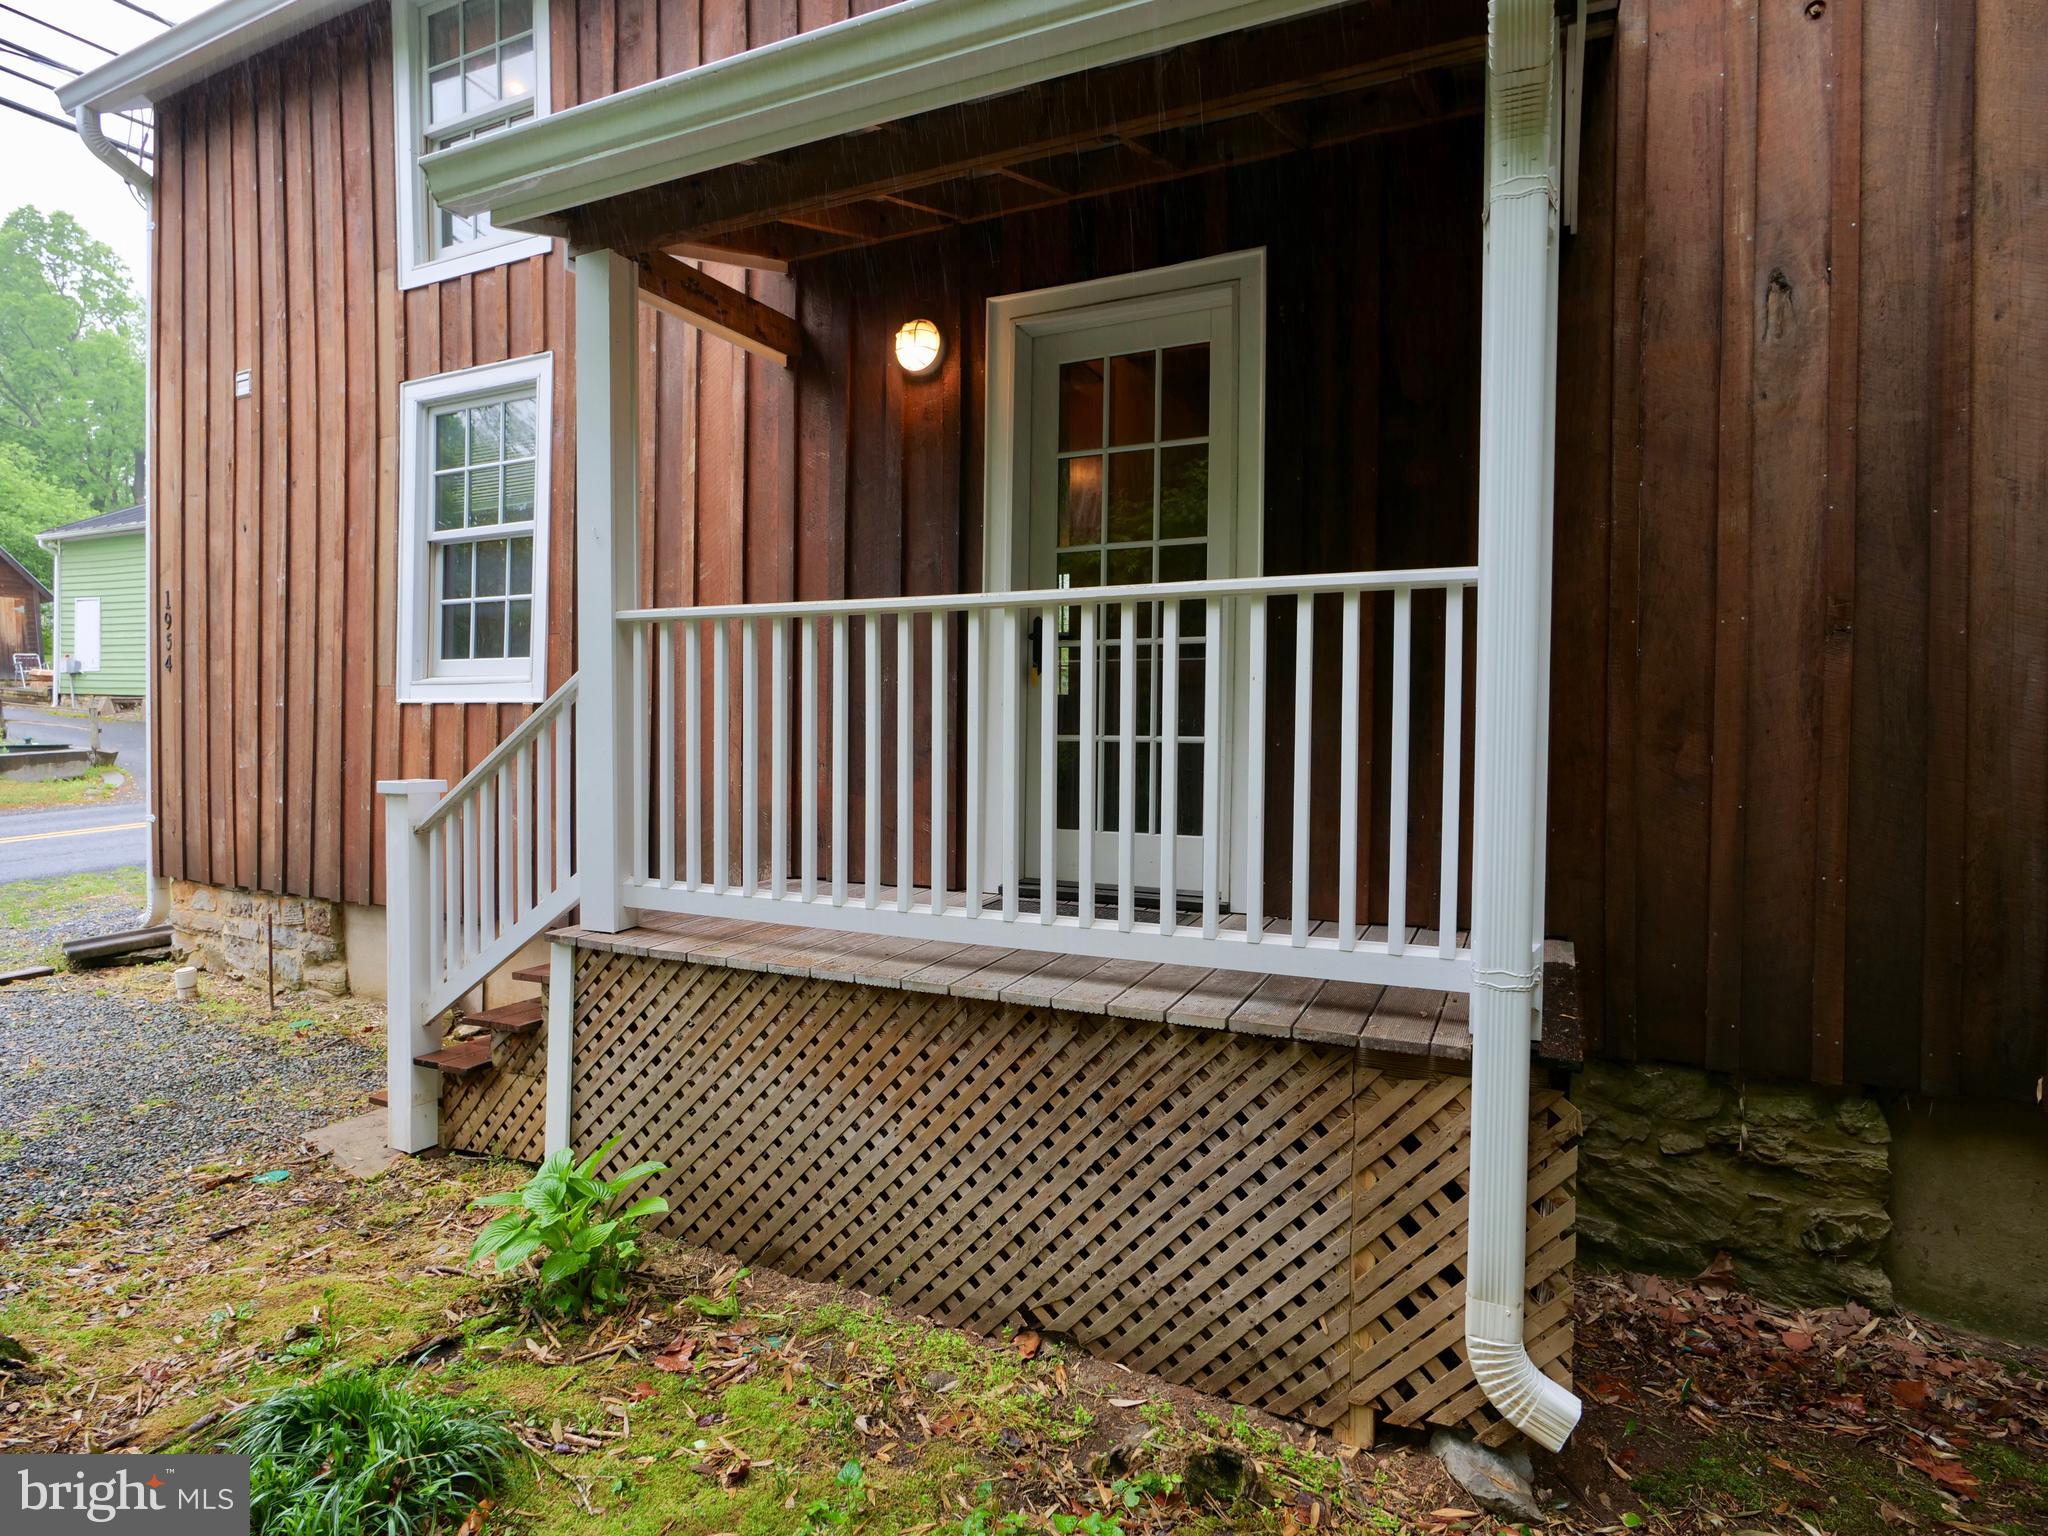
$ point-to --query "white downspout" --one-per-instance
(1517, 381)
(156, 903)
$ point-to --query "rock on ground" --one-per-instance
(1501, 1481)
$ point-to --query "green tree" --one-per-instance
(29, 504)
(71, 374)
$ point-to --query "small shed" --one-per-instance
(102, 603)
(21, 612)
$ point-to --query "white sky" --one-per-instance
(47, 166)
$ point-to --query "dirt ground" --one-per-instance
(725, 1401)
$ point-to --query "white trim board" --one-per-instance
(911, 57)
(415, 682)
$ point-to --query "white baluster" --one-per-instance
(778, 751)
(906, 795)
(1091, 666)
(522, 870)
(1127, 766)
(1169, 760)
(693, 757)
(665, 751)
(721, 760)
(1012, 758)
(942, 764)
(871, 763)
(565, 823)
(976, 757)
(1347, 784)
(807, 638)
(1397, 796)
(1304, 720)
(1215, 621)
(1454, 728)
(838, 759)
(1255, 776)
(750, 753)
(636, 811)
(1048, 761)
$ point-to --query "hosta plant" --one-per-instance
(580, 1226)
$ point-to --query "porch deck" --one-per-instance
(1426, 1028)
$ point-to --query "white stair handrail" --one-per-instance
(472, 874)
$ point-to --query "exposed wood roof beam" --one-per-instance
(1193, 84)
(698, 299)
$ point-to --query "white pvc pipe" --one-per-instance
(1517, 376)
(155, 891)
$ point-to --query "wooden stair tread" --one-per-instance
(380, 1096)
(458, 1060)
(536, 974)
(518, 1018)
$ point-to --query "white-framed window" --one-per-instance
(473, 534)
(460, 69)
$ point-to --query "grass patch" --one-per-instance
(57, 794)
(357, 1450)
(27, 905)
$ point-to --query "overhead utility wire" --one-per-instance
(53, 120)
(145, 11)
(52, 26)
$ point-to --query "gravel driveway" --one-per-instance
(105, 1095)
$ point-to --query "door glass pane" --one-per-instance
(1130, 497)
(1137, 514)
(1132, 406)
(1184, 394)
(1080, 501)
(1081, 405)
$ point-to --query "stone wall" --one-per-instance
(1792, 1183)
(225, 931)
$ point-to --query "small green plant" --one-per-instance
(361, 1452)
(837, 1513)
(987, 1520)
(1090, 1524)
(581, 1223)
(1136, 1489)
(723, 1308)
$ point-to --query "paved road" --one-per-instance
(35, 845)
(129, 738)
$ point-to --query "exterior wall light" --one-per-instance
(919, 346)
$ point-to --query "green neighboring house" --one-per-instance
(102, 603)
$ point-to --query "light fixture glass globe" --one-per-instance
(918, 345)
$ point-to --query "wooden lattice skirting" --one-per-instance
(1278, 1223)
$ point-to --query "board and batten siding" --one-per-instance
(112, 569)
(1799, 739)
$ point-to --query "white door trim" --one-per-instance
(1015, 322)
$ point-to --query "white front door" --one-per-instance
(1130, 434)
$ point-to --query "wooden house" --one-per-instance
(1122, 620)
(22, 596)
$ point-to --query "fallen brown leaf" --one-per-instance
(1028, 1344)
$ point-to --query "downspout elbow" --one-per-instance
(87, 121)
(1523, 1395)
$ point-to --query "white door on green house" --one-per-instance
(85, 633)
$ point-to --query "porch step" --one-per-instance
(520, 1018)
(458, 1060)
(381, 1096)
(537, 974)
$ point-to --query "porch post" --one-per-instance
(1517, 385)
(607, 570)
(413, 1110)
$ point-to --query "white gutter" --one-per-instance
(1518, 378)
(155, 891)
(911, 57)
(199, 46)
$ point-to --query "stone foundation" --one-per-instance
(226, 931)
(1794, 1184)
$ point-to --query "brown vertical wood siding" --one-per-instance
(1799, 724)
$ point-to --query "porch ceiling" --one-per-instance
(1356, 72)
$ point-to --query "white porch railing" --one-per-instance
(743, 799)
(471, 876)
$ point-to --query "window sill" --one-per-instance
(478, 256)
(471, 690)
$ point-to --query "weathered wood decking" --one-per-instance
(1394, 1022)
